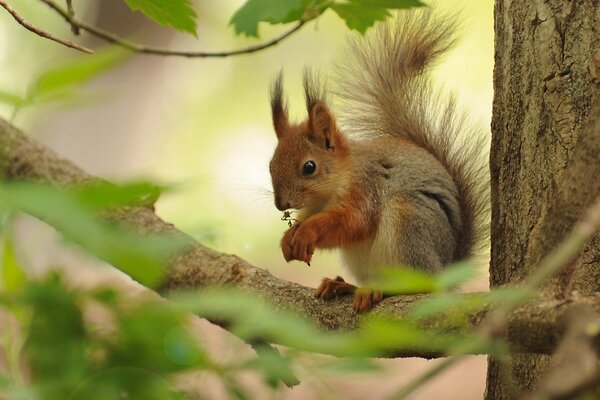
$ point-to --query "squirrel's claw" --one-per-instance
(331, 288)
(365, 300)
(286, 243)
(298, 244)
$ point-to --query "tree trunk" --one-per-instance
(544, 173)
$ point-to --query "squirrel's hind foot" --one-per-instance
(333, 288)
(364, 300)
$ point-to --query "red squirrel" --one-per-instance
(401, 180)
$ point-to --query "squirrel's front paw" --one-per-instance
(303, 244)
(286, 243)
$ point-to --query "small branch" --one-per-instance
(138, 48)
(40, 32)
(71, 11)
(574, 368)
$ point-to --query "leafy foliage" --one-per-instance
(65, 77)
(62, 82)
(148, 344)
(394, 280)
(13, 276)
(175, 13)
(246, 19)
(359, 15)
(74, 214)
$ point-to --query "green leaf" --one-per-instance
(274, 366)
(175, 13)
(351, 364)
(245, 20)
(394, 4)
(141, 258)
(358, 16)
(102, 194)
(379, 334)
(13, 277)
(403, 281)
(154, 338)
(56, 337)
(444, 303)
(455, 275)
(56, 81)
(10, 98)
(5, 381)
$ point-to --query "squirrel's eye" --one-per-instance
(309, 168)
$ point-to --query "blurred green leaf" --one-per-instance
(175, 13)
(142, 258)
(392, 4)
(125, 382)
(237, 391)
(248, 316)
(480, 344)
(55, 82)
(155, 339)
(383, 335)
(13, 276)
(251, 318)
(106, 295)
(56, 338)
(245, 20)
(443, 303)
(10, 98)
(5, 381)
(396, 280)
(274, 366)
(102, 194)
(506, 294)
(351, 364)
(359, 16)
(452, 276)
(181, 348)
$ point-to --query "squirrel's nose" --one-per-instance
(280, 204)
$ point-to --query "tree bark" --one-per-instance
(544, 171)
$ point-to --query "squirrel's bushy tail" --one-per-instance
(384, 88)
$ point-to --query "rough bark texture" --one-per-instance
(536, 327)
(544, 172)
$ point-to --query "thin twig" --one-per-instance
(71, 11)
(424, 378)
(138, 48)
(40, 32)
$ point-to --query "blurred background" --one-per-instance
(203, 127)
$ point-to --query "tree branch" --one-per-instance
(535, 327)
(138, 48)
(40, 32)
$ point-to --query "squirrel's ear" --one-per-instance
(279, 107)
(322, 125)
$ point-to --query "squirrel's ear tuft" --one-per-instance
(322, 126)
(314, 91)
(279, 107)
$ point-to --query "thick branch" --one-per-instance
(535, 327)
(138, 48)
